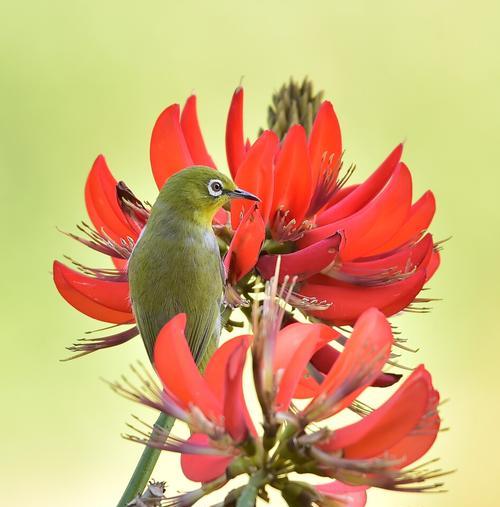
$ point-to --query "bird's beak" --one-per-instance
(242, 194)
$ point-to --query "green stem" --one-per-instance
(145, 466)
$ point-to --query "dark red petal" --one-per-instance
(169, 152)
(256, 175)
(404, 260)
(323, 359)
(200, 467)
(99, 299)
(193, 136)
(387, 425)
(349, 301)
(325, 139)
(347, 496)
(102, 204)
(293, 179)
(304, 262)
(235, 144)
(235, 408)
(178, 371)
(245, 246)
(295, 344)
(418, 220)
(374, 224)
(366, 351)
(364, 193)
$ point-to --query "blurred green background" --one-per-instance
(83, 78)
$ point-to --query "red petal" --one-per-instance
(169, 152)
(374, 224)
(404, 260)
(221, 217)
(200, 467)
(235, 408)
(420, 440)
(304, 262)
(349, 301)
(293, 179)
(323, 360)
(256, 175)
(418, 220)
(368, 348)
(178, 371)
(389, 424)
(102, 204)
(192, 134)
(364, 193)
(235, 144)
(433, 265)
(245, 246)
(215, 371)
(347, 496)
(325, 138)
(99, 299)
(295, 345)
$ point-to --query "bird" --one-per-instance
(175, 266)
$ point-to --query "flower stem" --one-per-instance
(145, 466)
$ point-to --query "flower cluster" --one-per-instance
(351, 247)
(374, 451)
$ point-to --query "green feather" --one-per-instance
(176, 266)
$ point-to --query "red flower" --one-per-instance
(382, 258)
(350, 248)
(225, 442)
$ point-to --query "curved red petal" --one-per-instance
(323, 360)
(215, 371)
(363, 193)
(295, 344)
(99, 299)
(200, 467)
(256, 175)
(293, 179)
(350, 301)
(169, 152)
(374, 224)
(303, 263)
(418, 220)
(325, 138)
(178, 371)
(403, 260)
(364, 355)
(433, 265)
(235, 143)
(193, 136)
(245, 246)
(420, 440)
(346, 495)
(235, 409)
(102, 204)
(387, 425)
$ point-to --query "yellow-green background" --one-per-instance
(80, 78)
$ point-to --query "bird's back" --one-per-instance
(175, 268)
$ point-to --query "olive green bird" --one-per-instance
(175, 266)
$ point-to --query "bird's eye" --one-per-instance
(215, 188)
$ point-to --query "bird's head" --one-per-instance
(201, 191)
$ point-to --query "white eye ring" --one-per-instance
(215, 188)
